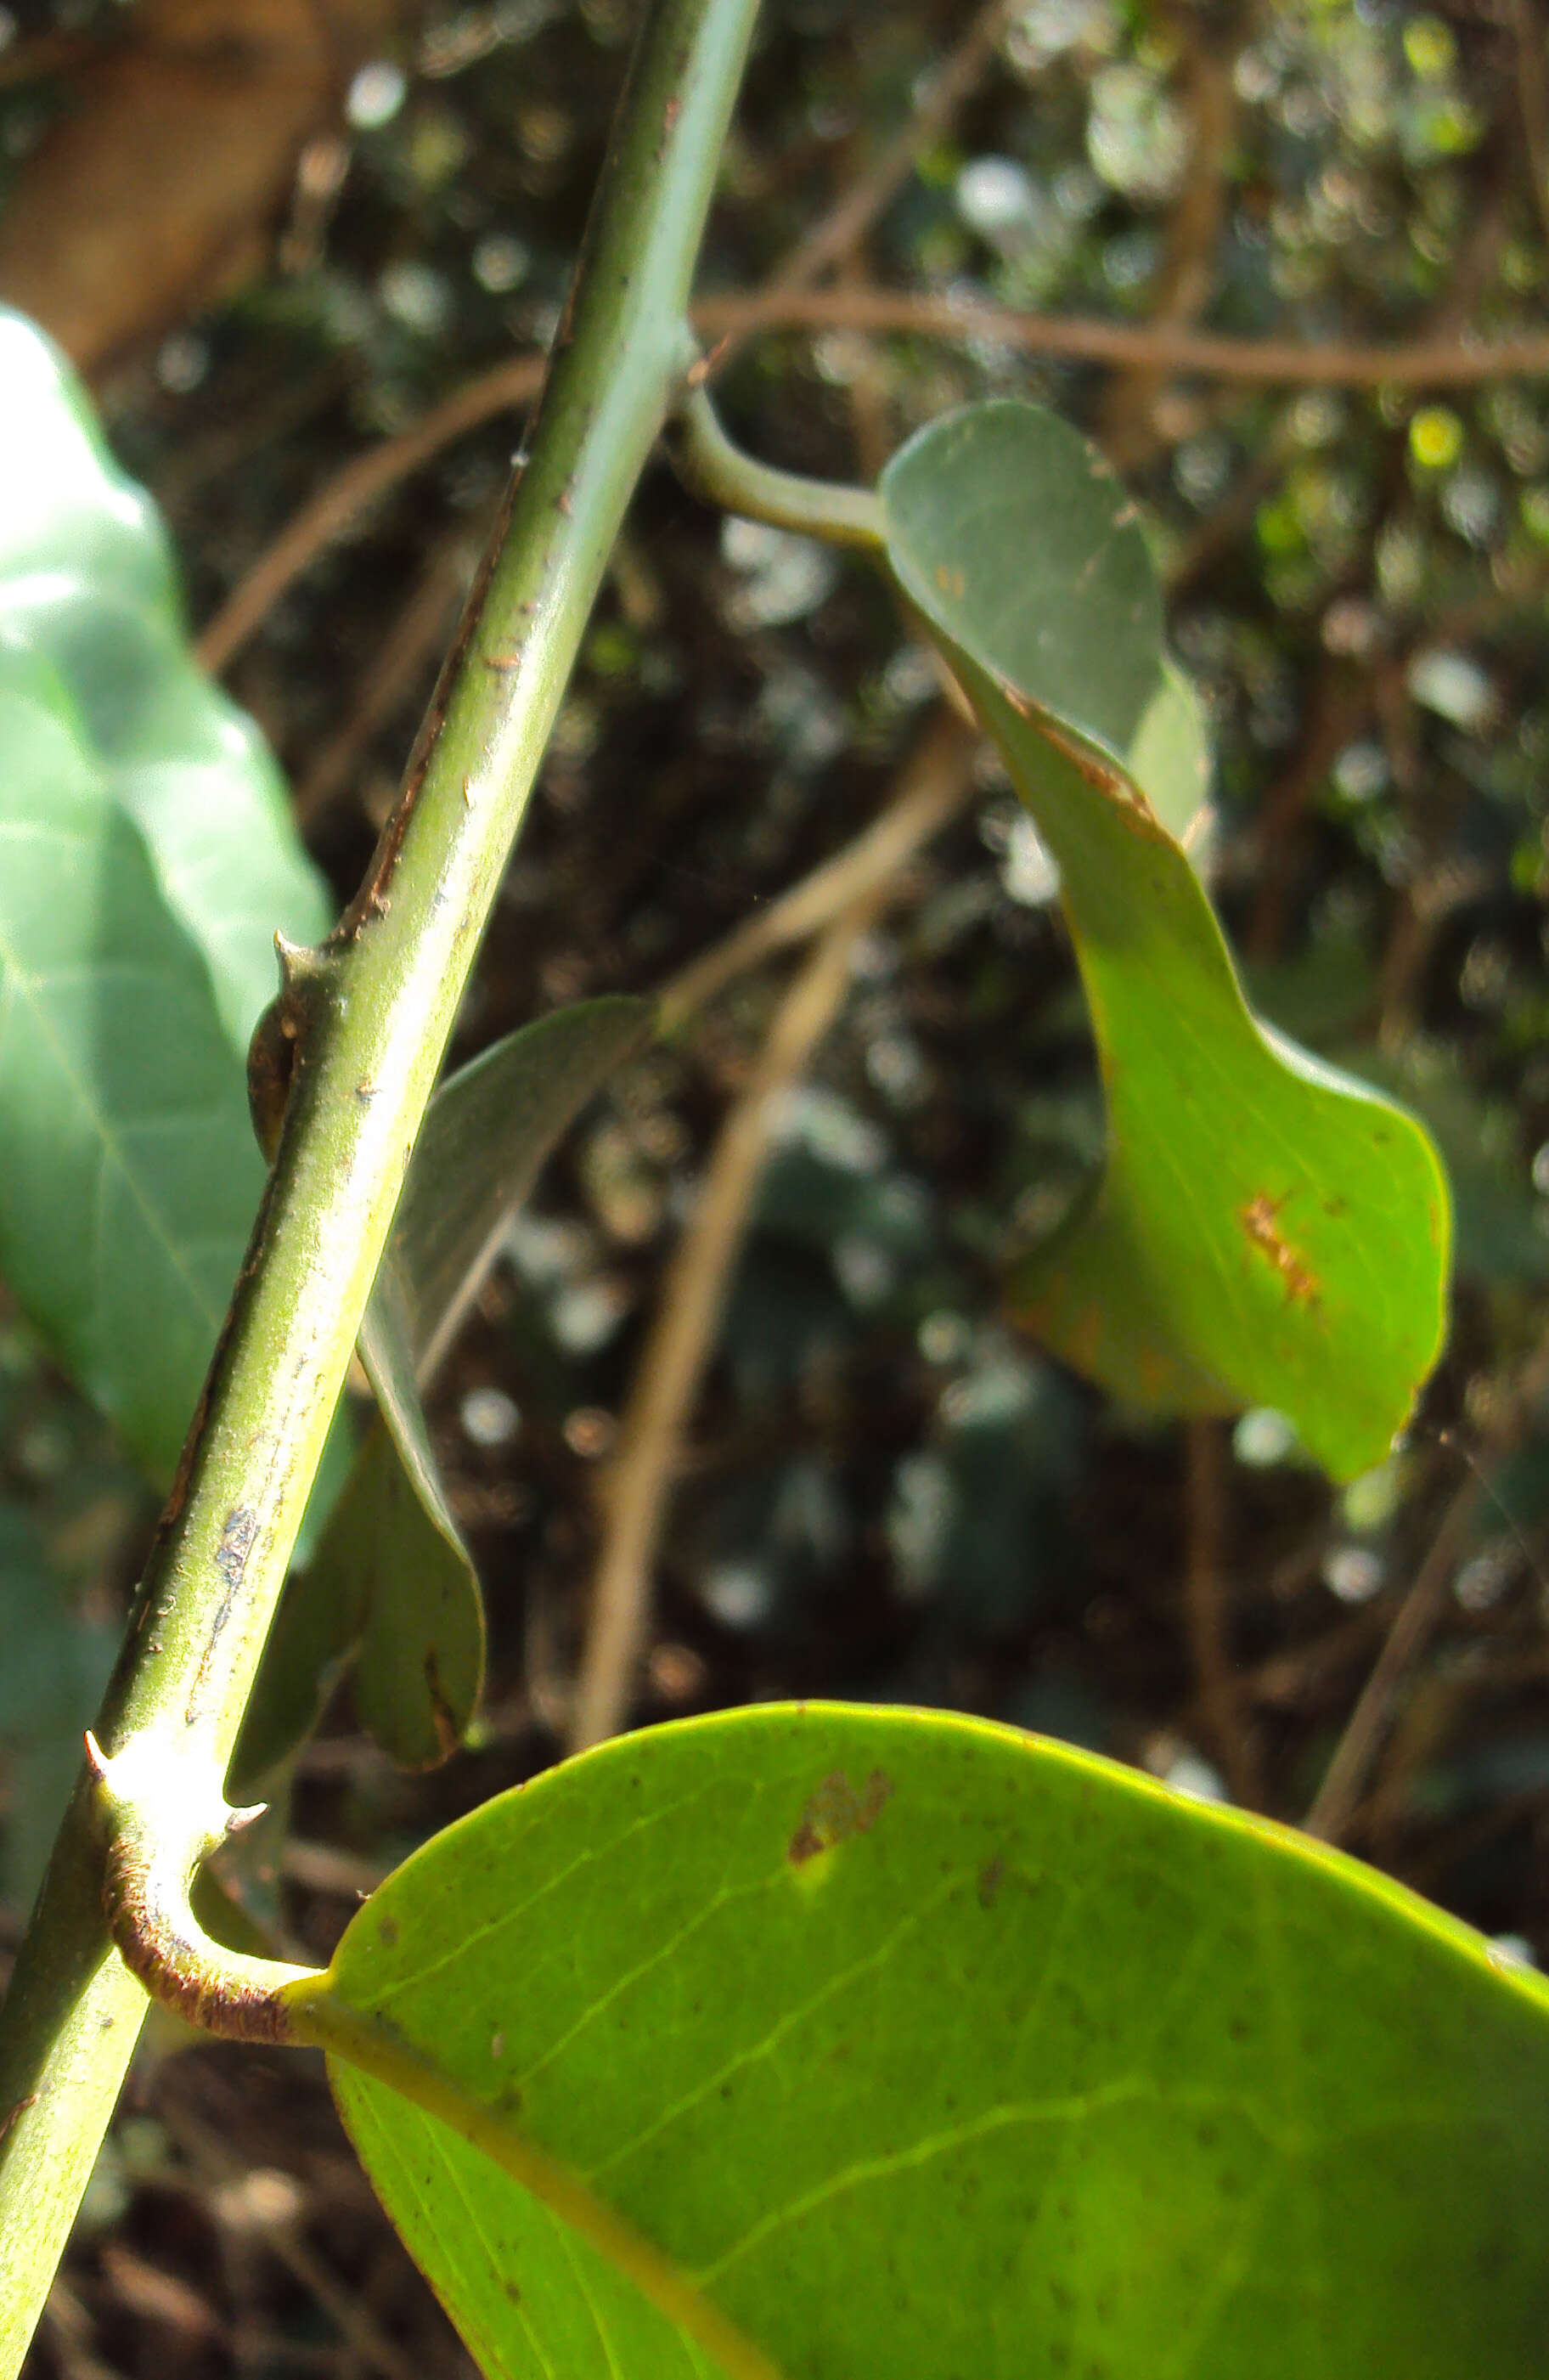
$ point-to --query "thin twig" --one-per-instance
(355, 491)
(841, 231)
(417, 635)
(1533, 102)
(1222, 1702)
(1339, 1794)
(215, 2165)
(362, 484)
(638, 1483)
(1345, 1777)
(1451, 363)
(636, 1486)
(1193, 239)
(932, 791)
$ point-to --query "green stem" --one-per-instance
(368, 1018)
(707, 463)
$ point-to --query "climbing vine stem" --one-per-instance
(364, 1022)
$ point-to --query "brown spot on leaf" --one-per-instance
(442, 1717)
(951, 582)
(1259, 1219)
(836, 1811)
(991, 1877)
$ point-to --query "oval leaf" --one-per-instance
(903, 2043)
(1264, 1229)
(487, 1133)
(392, 1572)
(146, 861)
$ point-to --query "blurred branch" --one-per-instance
(339, 505)
(216, 2184)
(1188, 275)
(362, 484)
(1345, 1777)
(638, 1483)
(1344, 698)
(1223, 1704)
(419, 635)
(1339, 1796)
(334, 511)
(1437, 363)
(1533, 102)
(635, 1489)
(841, 232)
(933, 790)
(1238, 509)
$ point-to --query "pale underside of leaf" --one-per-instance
(911, 2045)
(1264, 1230)
(146, 861)
(129, 1182)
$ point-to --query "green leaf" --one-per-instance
(393, 1575)
(1264, 1229)
(487, 1134)
(904, 2044)
(146, 861)
(52, 1676)
(393, 1551)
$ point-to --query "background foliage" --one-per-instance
(887, 1493)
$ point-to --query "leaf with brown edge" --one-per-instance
(1264, 1229)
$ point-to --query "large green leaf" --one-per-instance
(55, 1665)
(1264, 1229)
(392, 1578)
(146, 861)
(908, 2045)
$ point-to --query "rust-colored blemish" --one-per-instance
(950, 582)
(836, 1811)
(1259, 1219)
(18, 2109)
(1102, 776)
